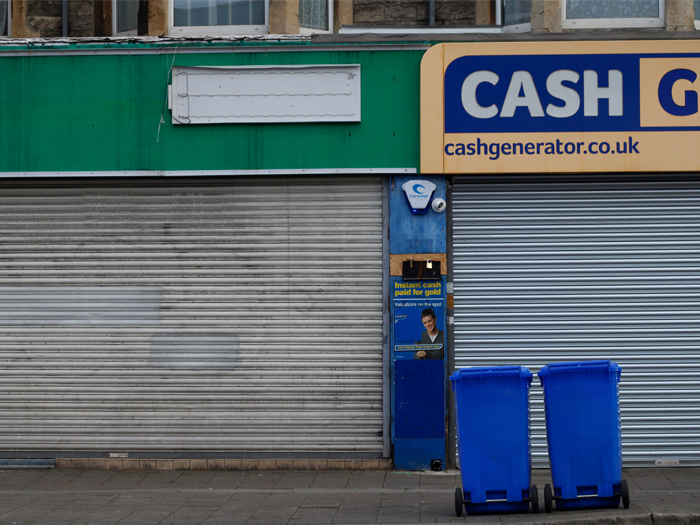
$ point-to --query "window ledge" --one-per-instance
(613, 23)
(421, 30)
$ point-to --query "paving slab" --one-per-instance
(285, 499)
(322, 501)
(654, 483)
(367, 479)
(267, 521)
(399, 515)
(361, 501)
(11, 482)
(226, 480)
(276, 512)
(227, 517)
(659, 497)
(313, 516)
(235, 512)
(244, 499)
(401, 480)
(55, 479)
(142, 519)
(294, 479)
(193, 515)
(675, 474)
(331, 479)
(224, 520)
(260, 479)
(109, 515)
(411, 500)
(436, 514)
(631, 483)
(356, 515)
(193, 479)
(435, 499)
(439, 481)
(88, 479)
(203, 499)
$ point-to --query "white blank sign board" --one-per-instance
(250, 94)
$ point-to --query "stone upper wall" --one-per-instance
(414, 13)
(44, 18)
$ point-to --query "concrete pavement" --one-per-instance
(659, 496)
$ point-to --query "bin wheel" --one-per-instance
(459, 502)
(548, 497)
(625, 491)
(534, 500)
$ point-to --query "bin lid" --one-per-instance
(478, 372)
(580, 366)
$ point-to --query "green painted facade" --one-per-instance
(101, 112)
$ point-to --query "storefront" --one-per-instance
(200, 315)
(183, 289)
(575, 220)
(578, 270)
(192, 280)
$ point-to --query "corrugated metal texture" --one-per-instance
(240, 316)
(578, 271)
(102, 113)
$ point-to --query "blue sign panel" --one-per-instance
(545, 93)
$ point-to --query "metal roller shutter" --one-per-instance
(578, 271)
(237, 315)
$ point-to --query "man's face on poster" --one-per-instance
(429, 323)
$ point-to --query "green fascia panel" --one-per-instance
(102, 112)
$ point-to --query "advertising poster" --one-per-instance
(419, 319)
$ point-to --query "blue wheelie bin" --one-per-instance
(582, 413)
(493, 432)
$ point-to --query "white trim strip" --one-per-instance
(208, 173)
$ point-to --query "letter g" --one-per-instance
(469, 94)
(666, 98)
